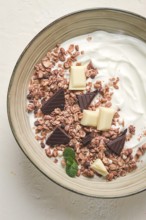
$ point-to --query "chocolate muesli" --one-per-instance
(86, 108)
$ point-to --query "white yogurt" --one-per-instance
(122, 56)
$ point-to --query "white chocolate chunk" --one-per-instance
(99, 167)
(105, 118)
(77, 78)
(90, 118)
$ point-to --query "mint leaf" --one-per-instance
(72, 169)
(69, 161)
(68, 153)
(71, 164)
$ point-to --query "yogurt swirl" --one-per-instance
(116, 55)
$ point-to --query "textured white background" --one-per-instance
(24, 192)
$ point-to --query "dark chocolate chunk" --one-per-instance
(62, 126)
(56, 101)
(42, 145)
(35, 110)
(117, 144)
(36, 123)
(58, 137)
(124, 132)
(87, 139)
(85, 99)
(29, 96)
(46, 76)
(86, 164)
(107, 152)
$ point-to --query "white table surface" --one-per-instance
(24, 192)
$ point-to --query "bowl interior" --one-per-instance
(72, 25)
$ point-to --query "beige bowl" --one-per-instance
(69, 26)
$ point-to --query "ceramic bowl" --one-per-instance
(64, 28)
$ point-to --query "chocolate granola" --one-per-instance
(47, 79)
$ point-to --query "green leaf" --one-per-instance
(69, 161)
(69, 153)
(71, 164)
(72, 169)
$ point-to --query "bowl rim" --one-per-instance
(13, 75)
